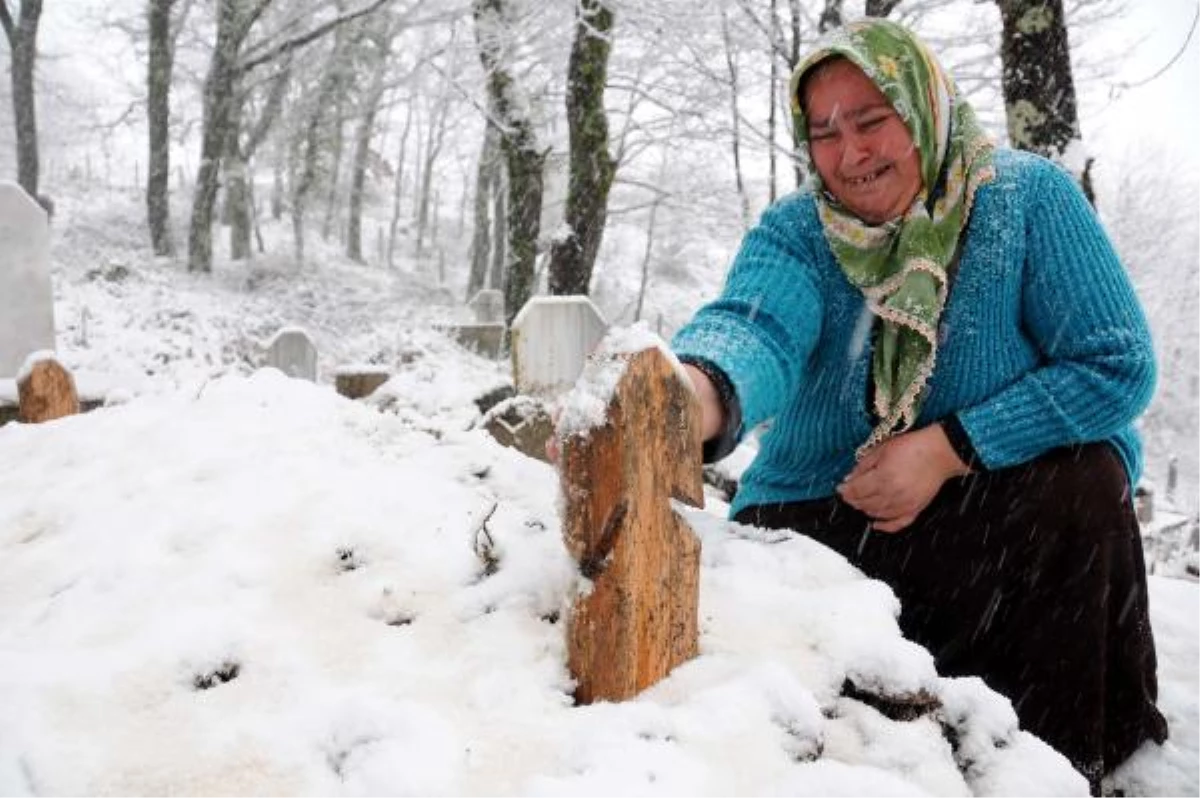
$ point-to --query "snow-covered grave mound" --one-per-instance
(262, 587)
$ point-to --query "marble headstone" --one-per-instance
(551, 339)
(293, 352)
(26, 299)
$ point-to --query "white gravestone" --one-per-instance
(26, 299)
(551, 339)
(293, 352)
(488, 306)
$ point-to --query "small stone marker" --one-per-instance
(357, 382)
(640, 619)
(487, 306)
(45, 390)
(486, 340)
(522, 423)
(293, 352)
(551, 338)
(26, 300)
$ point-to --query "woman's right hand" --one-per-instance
(712, 413)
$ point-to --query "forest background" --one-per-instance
(613, 148)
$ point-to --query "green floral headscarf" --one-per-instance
(901, 265)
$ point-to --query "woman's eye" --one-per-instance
(873, 123)
(822, 135)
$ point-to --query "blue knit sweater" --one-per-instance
(1042, 342)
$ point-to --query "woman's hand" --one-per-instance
(898, 479)
(712, 414)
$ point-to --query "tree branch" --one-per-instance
(6, 21)
(307, 38)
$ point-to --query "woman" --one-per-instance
(951, 357)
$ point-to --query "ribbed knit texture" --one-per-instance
(1043, 342)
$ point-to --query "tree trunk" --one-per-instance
(499, 228)
(793, 62)
(731, 65)
(310, 146)
(592, 168)
(160, 64)
(218, 87)
(22, 38)
(880, 8)
(362, 142)
(1039, 91)
(217, 90)
(525, 161)
(485, 179)
(772, 190)
(436, 136)
(237, 200)
(398, 190)
(831, 16)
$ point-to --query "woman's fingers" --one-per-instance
(895, 524)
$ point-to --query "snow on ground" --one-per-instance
(266, 588)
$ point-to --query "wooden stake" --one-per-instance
(46, 392)
(640, 619)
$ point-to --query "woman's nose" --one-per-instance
(855, 149)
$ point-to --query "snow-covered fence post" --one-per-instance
(45, 390)
(629, 442)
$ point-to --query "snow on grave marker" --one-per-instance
(46, 390)
(630, 442)
(293, 352)
(551, 339)
(26, 300)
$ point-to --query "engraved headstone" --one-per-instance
(551, 339)
(293, 352)
(26, 299)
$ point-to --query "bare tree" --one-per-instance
(524, 157)
(1039, 91)
(160, 66)
(736, 138)
(235, 20)
(487, 179)
(246, 134)
(22, 39)
(378, 48)
(573, 256)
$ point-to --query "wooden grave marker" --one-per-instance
(640, 620)
(45, 391)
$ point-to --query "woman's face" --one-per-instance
(860, 146)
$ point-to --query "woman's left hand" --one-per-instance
(898, 479)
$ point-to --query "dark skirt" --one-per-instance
(1030, 577)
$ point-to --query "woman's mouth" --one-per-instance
(864, 181)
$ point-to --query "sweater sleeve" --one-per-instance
(762, 328)
(1097, 368)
